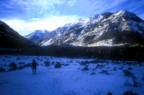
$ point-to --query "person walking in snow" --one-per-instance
(34, 66)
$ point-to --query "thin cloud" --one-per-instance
(50, 23)
(33, 8)
(27, 9)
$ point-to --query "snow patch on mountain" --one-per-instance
(79, 21)
(47, 42)
(108, 43)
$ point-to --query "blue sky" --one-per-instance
(25, 16)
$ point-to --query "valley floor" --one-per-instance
(76, 76)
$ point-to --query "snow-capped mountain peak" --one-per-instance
(121, 12)
(128, 15)
(82, 20)
(79, 21)
(116, 29)
(37, 35)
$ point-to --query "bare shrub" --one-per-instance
(12, 66)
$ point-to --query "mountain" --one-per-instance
(105, 29)
(37, 35)
(9, 38)
(66, 34)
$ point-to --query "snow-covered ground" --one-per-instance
(70, 76)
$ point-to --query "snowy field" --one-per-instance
(70, 76)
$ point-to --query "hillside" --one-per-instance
(9, 38)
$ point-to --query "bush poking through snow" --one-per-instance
(115, 69)
(135, 83)
(127, 83)
(12, 66)
(129, 68)
(142, 78)
(105, 72)
(66, 64)
(85, 68)
(21, 63)
(84, 63)
(18, 58)
(120, 68)
(100, 66)
(97, 66)
(2, 69)
(91, 62)
(129, 93)
(46, 63)
(57, 65)
(109, 93)
(128, 73)
(93, 73)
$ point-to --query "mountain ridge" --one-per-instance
(105, 29)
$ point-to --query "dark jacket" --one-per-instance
(34, 64)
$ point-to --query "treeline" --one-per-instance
(123, 52)
(126, 53)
